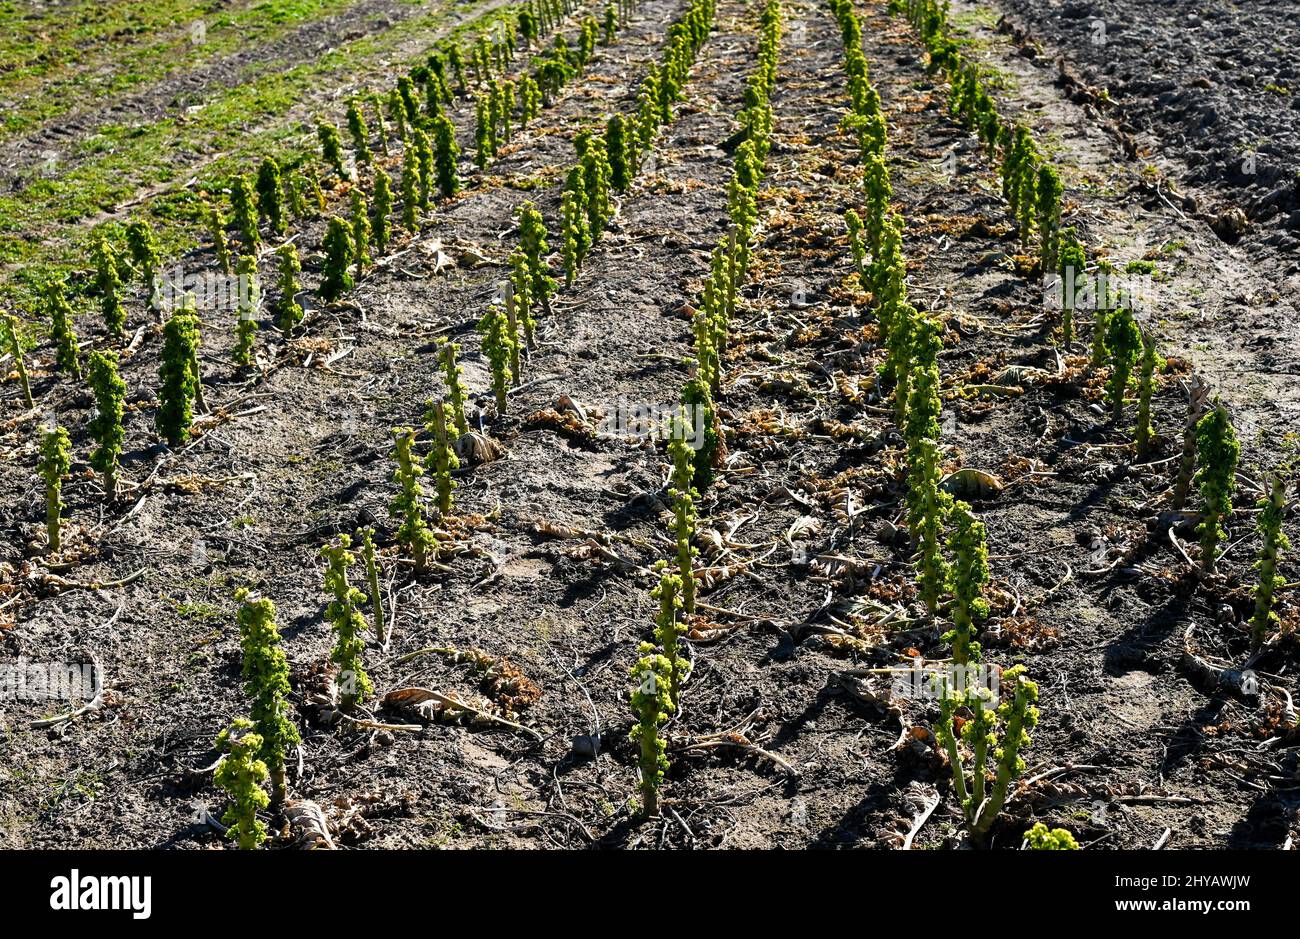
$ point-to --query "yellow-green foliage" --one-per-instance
(1217, 453)
(347, 622)
(441, 460)
(241, 775)
(266, 677)
(409, 502)
(106, 426)
(1041, 838)
(651, 706)
(1272, 510)
(56, 460)
(998, 729)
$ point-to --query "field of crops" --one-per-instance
(648, 424)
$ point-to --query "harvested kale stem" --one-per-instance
(65, 340)
(1148, 366)
(1272, 511)
(178, 377)
(651, 706)
(1015, 717)
(452, 372)
(927, 504)
(1071, 269)
(499, 347)
(1217, 453)
(144, 253)
(372, 580)
(106, 426)
(532, 240)
(109, 287)
(669, 629)
(411, 191)
(408, 505)
(683, 494)
(288, 312)
(56, 460)
(241, 775)
(347, 622)
(332, 148)
(441, 460)
(336, 279)
(269, 206)
(360, 231)
(383, 208)
(360, 132)
(424, 163)
(292, 192)
(244, 204)
(970, 572)
(446, 154)
(574, 224)
(217, 230)
(1124, 342)
(11, 340)
(1196, 397)
(266, 676)
(249, 300)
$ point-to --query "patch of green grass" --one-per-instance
(38, 96)
(199, 612)
(217, 138)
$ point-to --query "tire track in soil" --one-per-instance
(323, 441)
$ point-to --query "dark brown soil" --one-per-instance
(800, 550)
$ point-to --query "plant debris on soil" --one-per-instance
(500, 716)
